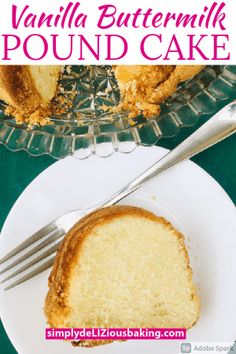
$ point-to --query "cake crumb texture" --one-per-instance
(122, 266)
(145, 87)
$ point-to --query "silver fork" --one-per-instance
(37, 253)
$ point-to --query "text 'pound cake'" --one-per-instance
(122, 267)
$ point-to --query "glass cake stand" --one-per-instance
(87, 129)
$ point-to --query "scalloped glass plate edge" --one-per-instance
(200, 97)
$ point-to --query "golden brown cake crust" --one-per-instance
(28, 93)
(17, 89)
(57, 304)
(145, 87)
(179, 74)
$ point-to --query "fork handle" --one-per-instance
(219, 127)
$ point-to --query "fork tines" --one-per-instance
(32, 256)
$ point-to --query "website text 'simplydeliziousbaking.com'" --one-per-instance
(75, 334)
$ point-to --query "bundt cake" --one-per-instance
(28, 90)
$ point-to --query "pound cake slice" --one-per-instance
(145, 87)
(28, 89)
(122, 266)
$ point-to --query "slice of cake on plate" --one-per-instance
(122, 267)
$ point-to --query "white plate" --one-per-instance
(186, 195)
